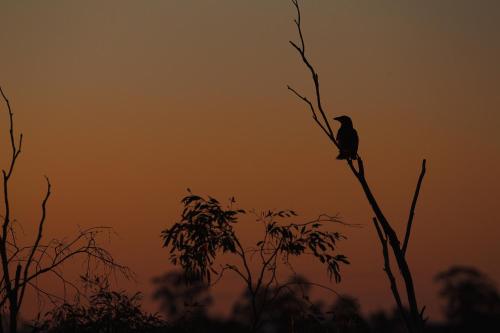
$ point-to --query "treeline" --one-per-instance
(471, 303)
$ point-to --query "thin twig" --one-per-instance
(302, 51)
(313, 111)
(37, 241)
(413, 205)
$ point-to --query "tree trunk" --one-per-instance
(13, 319)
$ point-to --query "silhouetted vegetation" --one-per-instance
(207, 230)
(184, 303)
(103, 310)
(206, 244)
(346, 316)
(472, 301)
(346, 142)
(290, 310)
(471, 304)
(24, 262)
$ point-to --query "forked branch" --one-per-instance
(206, 230)
(384, 229)
(388, 271)
(22, 265)
(325, 126)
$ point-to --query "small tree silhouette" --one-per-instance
(181, 301)
(472, 300)
(106, 311)
(207, 230)
(414, 321)
(347, 317)
(22, 265)
(291, 310)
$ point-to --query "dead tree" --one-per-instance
(414, 319)
(22, 265)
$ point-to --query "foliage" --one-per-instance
(472, 300)
(290, 309)
(106, 311)
(207, 229)
(296, 239)
(347, 317)
(181, 301)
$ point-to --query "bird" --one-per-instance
(347, 139)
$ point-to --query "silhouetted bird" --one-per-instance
(347, 139)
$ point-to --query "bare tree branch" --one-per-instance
(16, 150)
(34, 260)
(388, 271)
(37, 240)
(302, 51)
(413, 205)
(415, 324)
(313, 111)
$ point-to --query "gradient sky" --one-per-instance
(124, 104)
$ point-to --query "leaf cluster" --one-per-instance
(204, 229)
(304, 238)
(107, 311)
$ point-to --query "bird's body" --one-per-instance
(347, 139)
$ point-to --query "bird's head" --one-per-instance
(344, 120)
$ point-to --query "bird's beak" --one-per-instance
(337, 118)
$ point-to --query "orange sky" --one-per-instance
(124, 104)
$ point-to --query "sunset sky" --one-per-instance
(124, 104)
